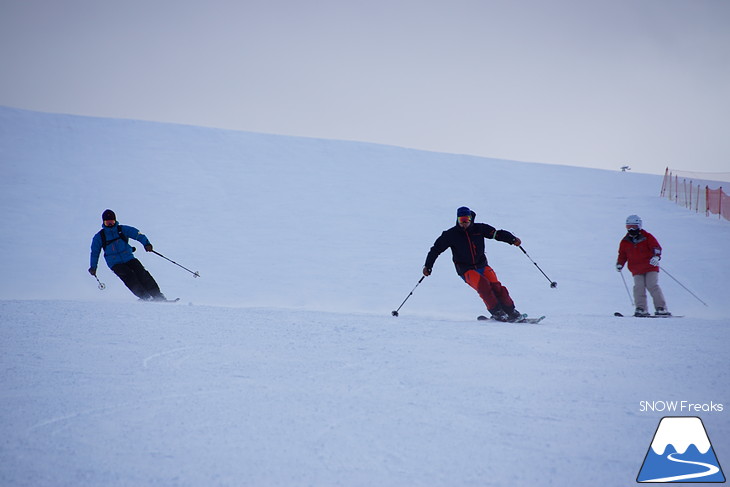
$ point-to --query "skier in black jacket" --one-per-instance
(466, 241)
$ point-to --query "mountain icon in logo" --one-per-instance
(681, 452)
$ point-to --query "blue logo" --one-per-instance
(681, 452)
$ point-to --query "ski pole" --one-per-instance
(685, 288)
(195, 274)
(627, 288)
(553, 284)
(102, 286)
(395, 313)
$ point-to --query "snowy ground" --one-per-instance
(281, 365)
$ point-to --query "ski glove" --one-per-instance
(426, 271)
(148, 247)
(92, 271)
(517, 242)
(655, 260)
(619, 267)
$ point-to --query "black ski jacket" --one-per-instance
(467, 246)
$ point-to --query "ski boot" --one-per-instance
(499, 315)
(641, 312)
(514, 315)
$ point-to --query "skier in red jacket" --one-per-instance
(642, 252)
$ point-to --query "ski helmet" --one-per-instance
(463, 211)
(634, 220)
(108, 215)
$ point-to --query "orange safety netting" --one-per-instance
(697, 191)
(718, 203)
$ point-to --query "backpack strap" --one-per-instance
(105, 242)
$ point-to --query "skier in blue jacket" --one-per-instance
(113, 238)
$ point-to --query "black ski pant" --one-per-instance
(138, 280)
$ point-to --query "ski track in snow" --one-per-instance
(167, 353)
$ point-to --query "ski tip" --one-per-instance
(617, 314)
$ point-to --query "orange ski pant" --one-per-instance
(485, 283)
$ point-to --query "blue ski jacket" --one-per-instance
(118, 250)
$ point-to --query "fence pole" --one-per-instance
(719, 206)
(697, 204)
(676, 189)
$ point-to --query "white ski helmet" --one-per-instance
(634, 220)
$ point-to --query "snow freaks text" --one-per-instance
(680, 407)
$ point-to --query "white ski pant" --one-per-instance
(650, 282)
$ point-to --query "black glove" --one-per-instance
(92, 271)
(426, 271)
(148, 247)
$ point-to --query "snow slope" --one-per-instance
(281, 365)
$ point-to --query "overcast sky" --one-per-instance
(578, 82)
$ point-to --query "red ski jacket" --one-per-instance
(638, 251)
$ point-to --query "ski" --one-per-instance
(523, 316)
(532, 321)
(648, 316)
(524, 319)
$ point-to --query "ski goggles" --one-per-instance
(464, 219)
